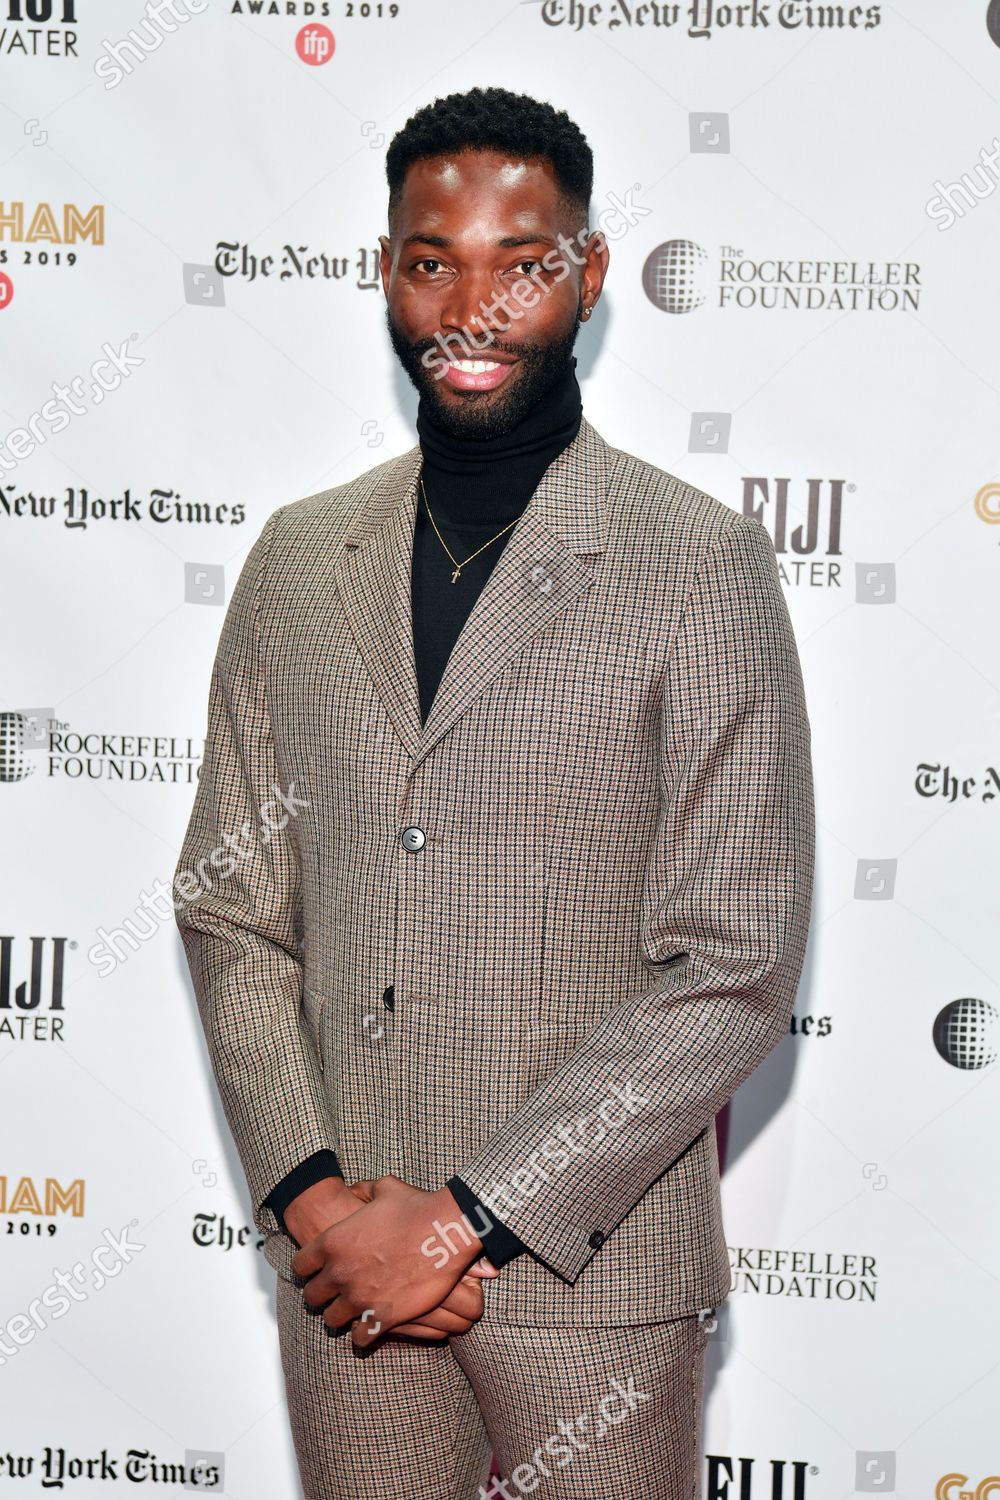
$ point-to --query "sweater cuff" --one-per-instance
(314, 1169)
(500, 1244)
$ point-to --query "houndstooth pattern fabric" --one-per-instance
(602, 933)
(387, 1423)
(606, 1413)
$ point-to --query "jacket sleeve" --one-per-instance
(725, 916)
(237, 905)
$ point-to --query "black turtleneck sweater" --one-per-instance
(475, 488)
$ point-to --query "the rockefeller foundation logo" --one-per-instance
(34, 742)
(680, 276)
(811, 1275)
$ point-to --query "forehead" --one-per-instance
(473, 190)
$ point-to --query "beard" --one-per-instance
(485, 414)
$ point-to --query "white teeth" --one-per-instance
(476, 366)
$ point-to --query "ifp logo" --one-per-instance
(315, 44)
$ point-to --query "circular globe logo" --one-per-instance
(673, 276)
(993, 20)
(963, 1033)
(14, 763)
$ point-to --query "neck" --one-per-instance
(489, 481)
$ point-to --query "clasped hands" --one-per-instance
(374, 1257)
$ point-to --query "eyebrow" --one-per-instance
(508, 242)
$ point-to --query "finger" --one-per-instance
(465, 1299)
(364, 1189)
(390, 1186)
(340, 1312)
(309, 1259)
(484, 1268)
(441, 1318)
(417, 1330)
(320, 1290)
(366, 1329)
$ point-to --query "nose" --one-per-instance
(473, 304)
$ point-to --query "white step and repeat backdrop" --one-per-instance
(801, 318)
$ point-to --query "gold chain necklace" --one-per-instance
(460, 565)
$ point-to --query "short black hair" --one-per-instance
(494, 119)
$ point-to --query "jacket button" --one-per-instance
(596, 1240)
(388, 997)
(413, 839)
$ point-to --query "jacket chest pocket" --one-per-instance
(611, 728)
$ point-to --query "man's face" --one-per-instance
(464, 281)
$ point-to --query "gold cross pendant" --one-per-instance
(454, 576)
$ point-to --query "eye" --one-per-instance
(428, 260)
(528, 263)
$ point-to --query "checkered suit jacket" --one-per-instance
(602, 930)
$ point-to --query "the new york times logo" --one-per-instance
(80, 509)
(708, 18)
(54, 1468)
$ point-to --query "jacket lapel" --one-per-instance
(544, 565)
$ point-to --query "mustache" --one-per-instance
(460, 343)
(474, 342)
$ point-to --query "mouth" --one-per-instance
(477, 374)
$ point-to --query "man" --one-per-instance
(513, 733)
